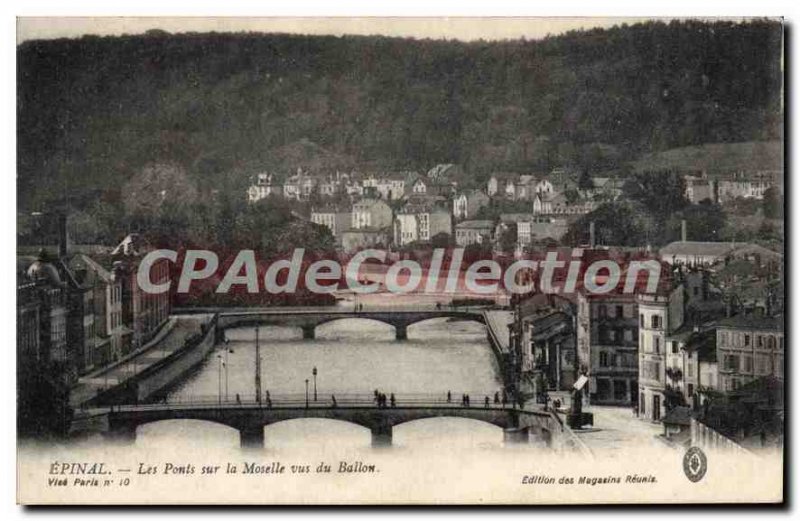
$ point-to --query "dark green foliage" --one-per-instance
(92, 112)
(616, 224)
(773, 203)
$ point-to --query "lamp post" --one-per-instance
(314, 372)
(225, 363)
(306, 393)
(219, 379)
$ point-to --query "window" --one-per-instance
(771, 342)
(759, 341)
(655, 322)
(731, 362)
(746, 339)
(628, 335)
(641, 319)
(603, 359)
(674, 347)
(612, 335)
(748, 364)
(602, 311)
(762, 364)
(620, 311)
(657, 344)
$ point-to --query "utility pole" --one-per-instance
(258, 369)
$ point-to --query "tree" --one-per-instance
(705, 221)
(662, 194)
(616, 224)
(507, 242)
(772, 205)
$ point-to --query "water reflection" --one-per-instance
(351, 356)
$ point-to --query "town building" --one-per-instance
(299, 186)
(544, 334)
(660, 315)
(359, 239)
(474, 232)
(501, 184)
(264, 185)
(421, 219)
(746, 185)
(467, 204)
(749, 347)
(142, 311)
(336, 219)
(557, 204)
(540, 228)
(607, 346)
(371, 213)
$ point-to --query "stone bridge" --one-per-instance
(308, 319)
(250, 419)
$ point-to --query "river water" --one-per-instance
(352, 356)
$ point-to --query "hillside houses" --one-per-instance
(421, 219)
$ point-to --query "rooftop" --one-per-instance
(718, 249)
(475, 224)
(753, 322)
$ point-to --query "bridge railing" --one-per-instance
(349, 307)
(295, 400)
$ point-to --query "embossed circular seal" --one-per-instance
(695, 464)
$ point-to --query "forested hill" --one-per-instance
(97, 109)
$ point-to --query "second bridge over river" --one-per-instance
(308, 318)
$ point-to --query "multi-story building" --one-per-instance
(262, 187)
(421, 219)
(544, 335)
(467, 204)
(540, 228)
(336, 219)
(746, 185)
(300, 186)
(749, 347)
(607, 346)
(392, 187)
(660, 316)
(143, 312)
(474, 232)
(52, 302)
(371, 213)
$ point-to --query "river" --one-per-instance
(351, 356)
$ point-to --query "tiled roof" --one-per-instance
(718, 249)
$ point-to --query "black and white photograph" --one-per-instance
(404, 261)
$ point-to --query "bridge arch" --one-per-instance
(319, 431)
(213, 431)
(449, 431)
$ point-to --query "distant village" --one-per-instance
(404, 208)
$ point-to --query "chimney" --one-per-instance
(591, 235)
(683, 230)
(62, 235)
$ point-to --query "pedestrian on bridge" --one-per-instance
(496, 398)
(238, 399)
(467, 400)
(505, 399)
(333, 401)
(268, 399)
(392, 400)
(486, 402)
(449, 397)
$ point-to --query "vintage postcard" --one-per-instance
(415, 261)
